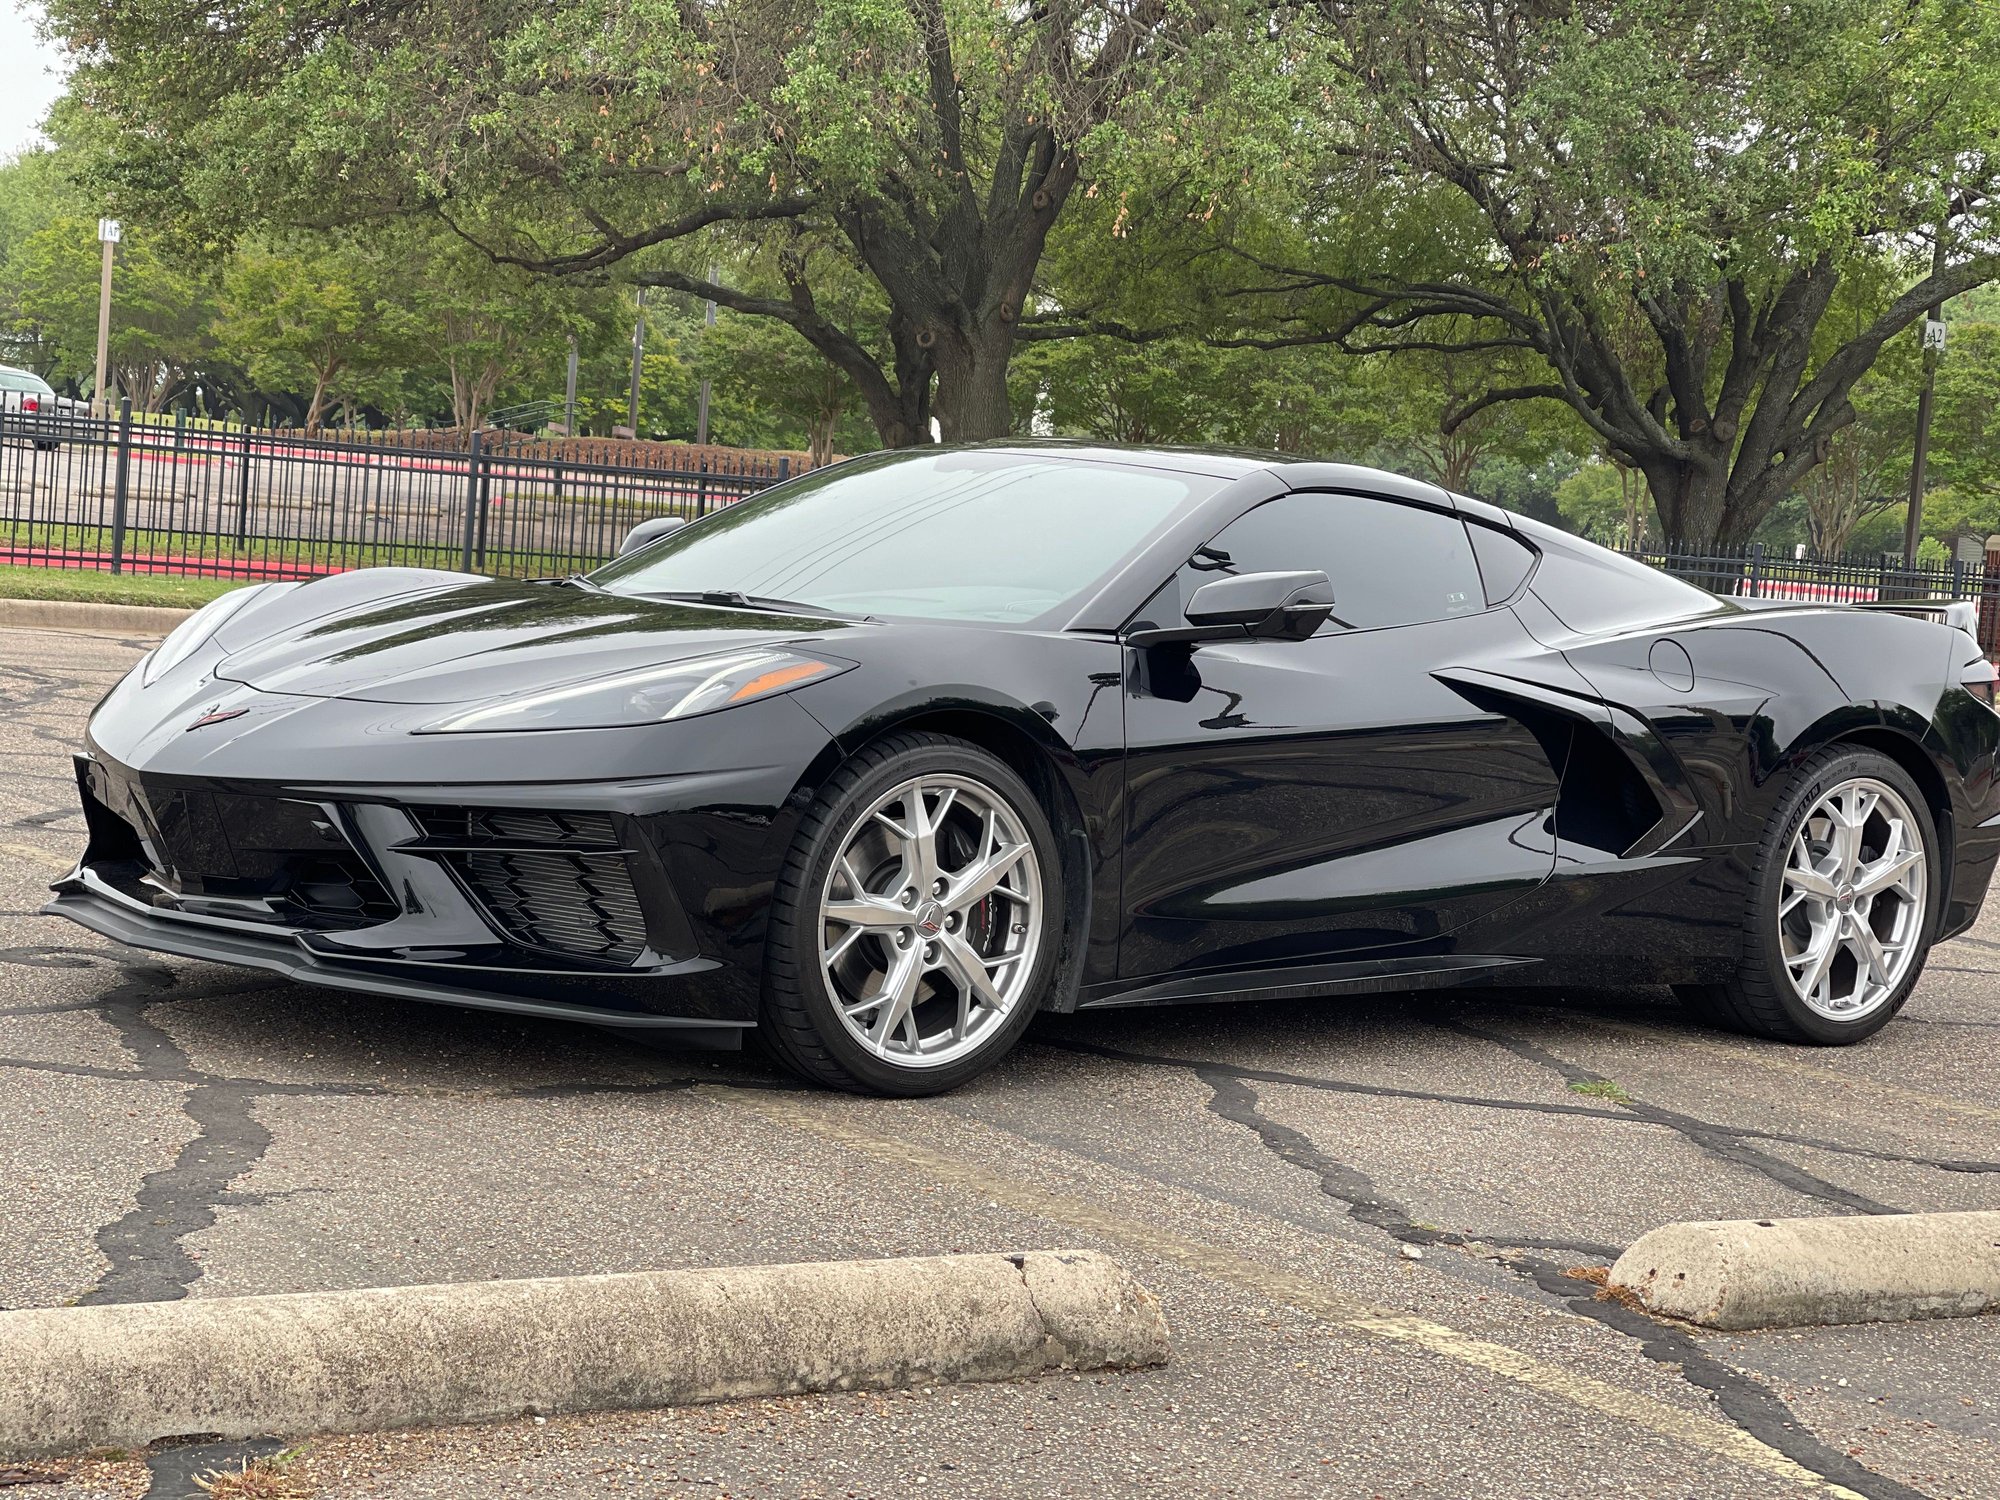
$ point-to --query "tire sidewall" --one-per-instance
(1765, 949)
(796, 925)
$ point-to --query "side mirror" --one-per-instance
(1249, 606)
(649, 531)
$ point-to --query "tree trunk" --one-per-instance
(971, 405)
(820, 439)
(1692, 497)
(316, 408)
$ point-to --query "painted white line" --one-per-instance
(1305, 1293)
(48, 859)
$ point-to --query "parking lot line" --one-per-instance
(1306, 1294)
(48, 859)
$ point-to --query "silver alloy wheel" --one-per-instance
(930, 920)
(1851, 905)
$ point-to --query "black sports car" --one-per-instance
(893, 756)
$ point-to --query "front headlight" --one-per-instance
(678, 690)
(195, 631)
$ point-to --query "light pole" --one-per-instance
(701, 409)
(108, 234)
(1934, 333)
(569, 392)
(638, 364)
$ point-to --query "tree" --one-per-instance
(486, 325)
(160, 313)
(931, 145)
(1607, 502)
(315, 316)
(1657, 201)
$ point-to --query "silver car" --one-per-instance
(33, 409)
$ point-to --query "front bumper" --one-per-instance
(86, 900)
(546, 900)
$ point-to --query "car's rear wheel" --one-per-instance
(1842, 908)
(915, 927)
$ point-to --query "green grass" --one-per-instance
(306, 556)
(1601, 1088)
(88, 587)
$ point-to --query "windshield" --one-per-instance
(966, 535)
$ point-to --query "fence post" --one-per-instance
(1756, 567)
(243, 489)
(120, 493)
(471, 501)
(701, 492)
(485, 518)
(784, 467)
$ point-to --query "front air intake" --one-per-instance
(552, 880)
(581, 904)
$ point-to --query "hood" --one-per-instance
(470, 641)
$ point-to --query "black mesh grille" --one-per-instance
(508, 825)
(338, 888)
(573, 903)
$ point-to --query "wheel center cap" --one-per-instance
(1844, 898)
(930, 919)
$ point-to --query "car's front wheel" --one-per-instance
(1842, 908)
(917, 922)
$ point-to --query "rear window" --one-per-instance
(21, 380)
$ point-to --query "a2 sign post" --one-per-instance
(109, 232)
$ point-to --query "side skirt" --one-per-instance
(1303, 981)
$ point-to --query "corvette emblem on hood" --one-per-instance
(218, 716)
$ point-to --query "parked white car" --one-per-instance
(24, 394)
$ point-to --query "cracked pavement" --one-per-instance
(171, 1128)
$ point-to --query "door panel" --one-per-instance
(1290, 801)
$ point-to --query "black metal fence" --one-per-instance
(175, 496)
(1760, 572)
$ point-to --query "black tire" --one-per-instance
(1760, 999)
(799, 1024)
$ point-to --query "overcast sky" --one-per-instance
(27, 81)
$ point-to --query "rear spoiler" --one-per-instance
(1963, 614)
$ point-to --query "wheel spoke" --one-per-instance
(828, 957)
(976, 882)
(869, 911)
(1875, 962)
(970, 970)
(1889, 872)
(896, 998)
(1809, 881)
(1815, 959)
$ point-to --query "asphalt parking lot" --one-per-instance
(1360, 1213)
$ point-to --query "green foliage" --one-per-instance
(1608, 504)
(318, 318)
(50, 263)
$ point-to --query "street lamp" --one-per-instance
(109, 232)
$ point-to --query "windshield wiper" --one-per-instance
(735, 599)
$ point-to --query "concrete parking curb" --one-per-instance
(92, 619)
(1789, 1273)
(74, 1379)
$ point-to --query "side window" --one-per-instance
(1390, 563)
(1505, 561)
